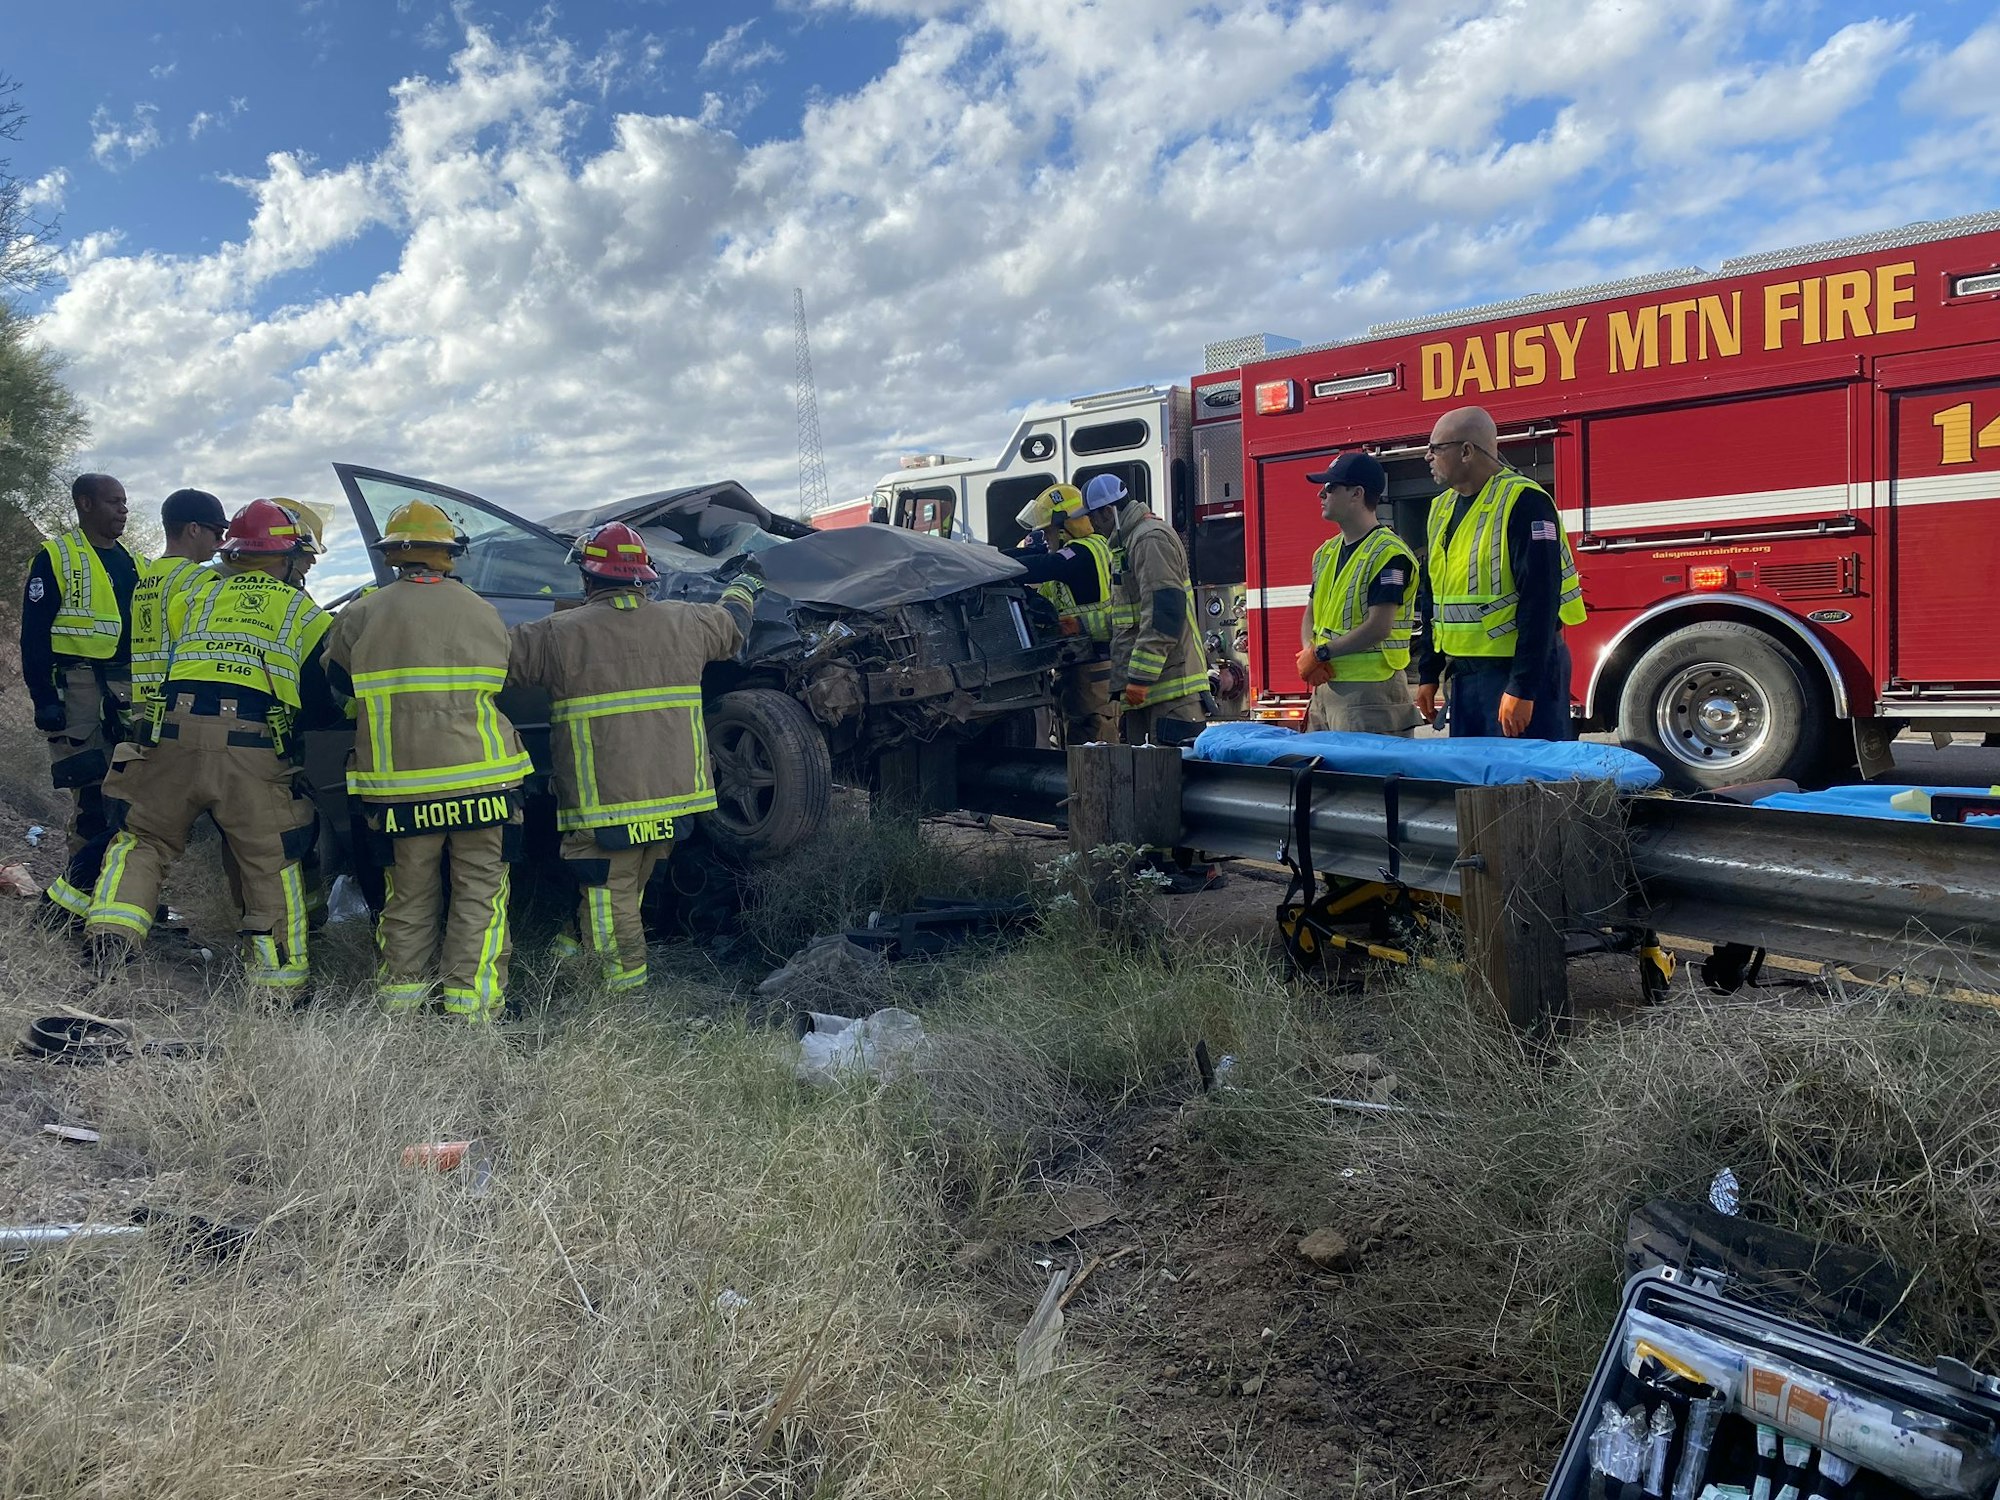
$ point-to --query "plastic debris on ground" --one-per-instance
(35, 836)
(729, 1301)
(1463, 762)
(1040, 1343)
(344, 902)
(878, 1046)
(1725, 1193)
(16, 881)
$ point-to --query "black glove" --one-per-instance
(51, 718)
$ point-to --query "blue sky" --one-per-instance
(546, 252)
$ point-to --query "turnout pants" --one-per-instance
(95, 701)
(226, 767)
(608, 918)
(1364, 708)
(1084, 701)
(444, 921)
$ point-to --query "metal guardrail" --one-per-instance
(1924, 898)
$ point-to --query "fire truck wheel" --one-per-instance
(1719, 703)
(773, 776)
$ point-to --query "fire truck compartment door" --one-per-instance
(1941, 413)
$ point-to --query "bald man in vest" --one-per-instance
(1503, 585)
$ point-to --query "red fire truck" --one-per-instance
(1781, 481)
(1782, 484)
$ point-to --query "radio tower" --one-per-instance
(812, 463)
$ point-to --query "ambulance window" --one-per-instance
(1109, 437)
(929, 511)
(1004, 499)
(1135, 474)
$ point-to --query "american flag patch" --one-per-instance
(1544, 531)
(1391, 575)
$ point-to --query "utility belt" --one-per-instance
(243, 705)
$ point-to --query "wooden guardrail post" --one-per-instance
(1536, 861)
(1124, 794)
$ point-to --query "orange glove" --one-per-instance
(1070, 625)
(1135, 695)
(1514, 715)
(1427, 700)
(1312, 670)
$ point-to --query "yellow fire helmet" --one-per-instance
(1066, 505)
(418, 523)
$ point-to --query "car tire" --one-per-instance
(1720, 703)
(773, 775)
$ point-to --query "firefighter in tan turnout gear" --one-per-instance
(244, 683)
(623, 673)
(1157, 668)
(436, 766)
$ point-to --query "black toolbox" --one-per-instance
(1701, 1398)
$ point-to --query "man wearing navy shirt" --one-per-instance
(1355, 638)
(1502, 585)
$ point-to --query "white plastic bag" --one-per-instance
(876, 1046)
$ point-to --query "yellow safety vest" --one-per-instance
(1095, 618)
(152, 650)
(88, 622)
(1472, 577)
(249, 631)
(1340, 604)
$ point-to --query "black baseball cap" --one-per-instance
(1354, 468)
(192, 508)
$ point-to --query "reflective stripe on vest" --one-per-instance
(225, 636)
(1340, 604)
(576, 714)
(87, 622)
(1118, 614)
(1472, 577)
(152, 647)
(378, 692)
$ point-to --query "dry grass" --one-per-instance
(1868, 1122)
(389, 1330)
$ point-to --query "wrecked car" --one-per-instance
(869, 643)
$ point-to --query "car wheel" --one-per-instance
(773, 776)
(1720, 703)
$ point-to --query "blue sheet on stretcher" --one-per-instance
(1467, 762)
(1872, 801)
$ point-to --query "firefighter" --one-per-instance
(1157, 668)
(436, 766)
(623, 673)
(244, 683)
(1355, 638)
(1073, 571)
(194, 523)
(1503, 584)
(76, 655)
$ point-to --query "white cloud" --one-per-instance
(114, 144)
(45, 195)
(1034, 198)
(1962, 80)
(1746, 105)
(732, 52)
(165, 69)
(201, 121)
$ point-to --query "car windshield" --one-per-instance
(504, 557)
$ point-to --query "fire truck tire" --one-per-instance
(773, 775)
(1720, 702)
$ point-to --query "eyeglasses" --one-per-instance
(1433, 449)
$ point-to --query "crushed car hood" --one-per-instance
(873, 568)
